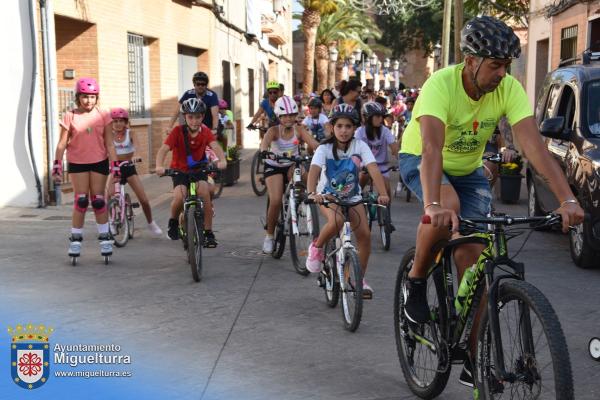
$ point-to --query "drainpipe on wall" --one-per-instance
(50, 89)
(38, 182)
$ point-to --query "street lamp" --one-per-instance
(357, 54)
(373, 60)
(437, 50)
(386, 63)
(333, 54)
(352, 59)
(396, 65)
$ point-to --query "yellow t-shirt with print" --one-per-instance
(469, 123)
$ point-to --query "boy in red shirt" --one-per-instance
(199, 138)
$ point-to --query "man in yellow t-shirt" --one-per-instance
(442, 147)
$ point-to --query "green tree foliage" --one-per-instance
(417, 28)
(515, 11)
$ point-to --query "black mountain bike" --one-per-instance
(191, 226)
(521, 348)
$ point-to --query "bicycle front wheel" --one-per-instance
(352, 290)
(195, 239)
(130, 215)
(330, 280)
(426, 369)
(279, 234)
(385, 227)
(308, 230)
(118, 223)
(257, 175)
(535, 351)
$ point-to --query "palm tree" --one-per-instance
(311, 18)
(345, 26)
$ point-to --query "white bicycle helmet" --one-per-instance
(285, 105)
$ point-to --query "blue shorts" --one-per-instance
(473, 190)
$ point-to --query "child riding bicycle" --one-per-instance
(189, 142)
(282, 139)
(335, 166)
(123, 140)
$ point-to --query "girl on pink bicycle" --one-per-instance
(124, 140)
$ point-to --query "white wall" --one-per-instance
(18, 183)
(539, 29)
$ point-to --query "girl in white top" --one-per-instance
(283, 139)
(123, 140)
(336, 165)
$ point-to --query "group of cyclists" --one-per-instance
(439, 156)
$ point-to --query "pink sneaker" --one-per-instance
(315, 258)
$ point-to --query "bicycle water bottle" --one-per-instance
(465, 283)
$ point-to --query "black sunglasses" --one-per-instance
(200, 83)
(273, 91)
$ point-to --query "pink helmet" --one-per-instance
(223, 104)
(119, 113)
(87, 86)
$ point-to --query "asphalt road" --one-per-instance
(253, 328)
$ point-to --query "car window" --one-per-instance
(593, 107)
(566, 106)
(552, 100)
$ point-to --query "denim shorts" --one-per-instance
(473, 190)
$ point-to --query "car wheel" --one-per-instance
(582, 252)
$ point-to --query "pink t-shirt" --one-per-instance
(86, 135)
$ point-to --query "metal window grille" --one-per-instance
(135, 51)
(568, 43)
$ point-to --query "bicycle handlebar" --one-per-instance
(206, 168)
(285, 158)
(494, 158)
(344, 203)
(548, 219)
(133, 161)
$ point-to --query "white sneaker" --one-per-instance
(268, 245)
(155, 229)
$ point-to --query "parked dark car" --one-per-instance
(568, 115)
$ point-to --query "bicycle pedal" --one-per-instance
(367, 296)
(135, 205)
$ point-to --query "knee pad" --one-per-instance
(98, 204)
(81, 202)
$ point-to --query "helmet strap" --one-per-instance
(480, 91)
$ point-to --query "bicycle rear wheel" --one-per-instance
(534, 347)
(219, 181)
(118, 223)
(195, 239)
(425, 370)
(385, 227)
(308, 230)
(257, 178)
(329, 278)
(352, 290)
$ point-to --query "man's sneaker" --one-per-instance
(416, 308)
(106, 244)
(155, 229)
(466, 376)
(173, 232)
(75, 245)
(268, 245)
(315, 258)
(367, 290)
(209, 239)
